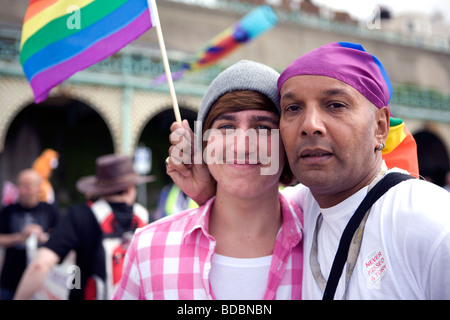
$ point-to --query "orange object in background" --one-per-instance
(44, 165)
(401, 149)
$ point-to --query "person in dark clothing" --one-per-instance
(98, 231)
(18, 222)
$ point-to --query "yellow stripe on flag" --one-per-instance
(50, 13)
(395, 136)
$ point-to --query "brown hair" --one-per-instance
(236, 101)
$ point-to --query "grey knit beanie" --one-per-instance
(243, 75)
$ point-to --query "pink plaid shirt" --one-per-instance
(171, 258)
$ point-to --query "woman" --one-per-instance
(244, 243)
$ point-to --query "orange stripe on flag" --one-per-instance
(37, 6)
(404, 156)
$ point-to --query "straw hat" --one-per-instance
(114, 173)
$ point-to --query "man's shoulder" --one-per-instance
(48, 207)
(12, 207)
(79, 213)
(418, 190)
(418, 202)
(79, 207)
(298, 194)
(46, 204)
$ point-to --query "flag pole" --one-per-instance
(162, 46)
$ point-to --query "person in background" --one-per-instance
(172, 200)
(98, 231)
(18, 221)
(44, 165)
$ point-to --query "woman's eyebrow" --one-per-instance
(254, 118)
(226, 116)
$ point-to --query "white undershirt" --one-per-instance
(239, 279)
(405, 252)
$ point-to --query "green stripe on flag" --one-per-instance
(57, 29)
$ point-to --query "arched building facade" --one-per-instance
(118, 108)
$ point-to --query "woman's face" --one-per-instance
(244, 152)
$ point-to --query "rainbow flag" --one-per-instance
(401, 149)
(62, 37)
(252, 25)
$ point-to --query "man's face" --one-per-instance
(330, 132)
(29, 185)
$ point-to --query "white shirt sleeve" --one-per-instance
(438, 287)
(296, 194)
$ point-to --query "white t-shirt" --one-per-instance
(405, 251)
(239, 279)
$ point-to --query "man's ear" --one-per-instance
(383, 122)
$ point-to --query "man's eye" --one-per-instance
(291, 108)
(336, 105)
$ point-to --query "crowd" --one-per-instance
(98, 231)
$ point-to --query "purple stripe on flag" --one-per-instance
(44, 81)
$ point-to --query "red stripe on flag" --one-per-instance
(37, 6)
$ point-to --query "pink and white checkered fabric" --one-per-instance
(171, 258)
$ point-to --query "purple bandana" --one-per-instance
(346, 62)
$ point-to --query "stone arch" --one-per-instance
(15, 94)
(106, 101)
(155, 135)
(69, 126)
(146, 105)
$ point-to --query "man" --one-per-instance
(172, 200)
(98, 232)
(17, 222)
(334, 124)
